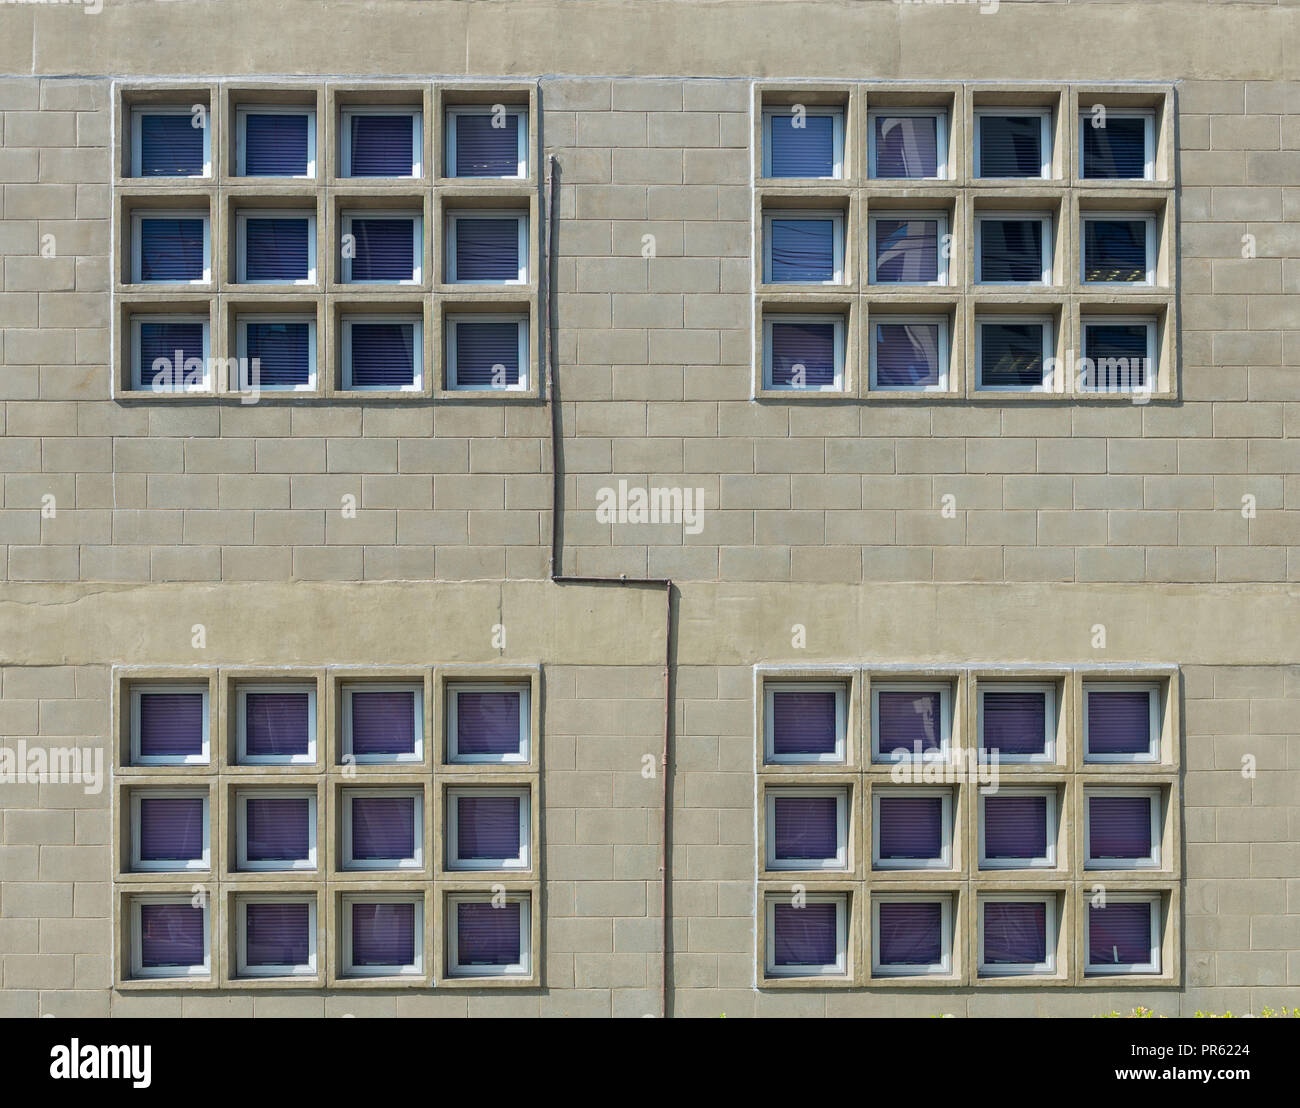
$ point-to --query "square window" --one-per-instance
(275, 724)
(1118, 145)
(912, 829)
(909, 354)
(487, 141)
(1121, 722)
(276, 247)
(809, 939)
(1018, 829)
(383, 723)
(169, 725)
(1013, 249)
(488, 829)
(1119, 354)
(170, 142)
(383, 936)
(804, 353)
(169, 830)
(487, 248)
(803, 248)
(1017, 722)
(275, 142)
(1124, 935)
(1017, 935)
(1119, 249)
(275, 936)
(910, 720)
(1122, 828)
(1012, 142)
(275, 829)
(383, 829)
(169, 353)
(911, 936)
(487, 352)
(803, 142)
(277, 352)
(807, 829)
(383, 248)
(488, 723)
(170, 937)
(381, 142)
(805, 722)
(486, 939)
(909, 144)
(1014, 353)
(170, 248)
(909, 248)
(383, 353)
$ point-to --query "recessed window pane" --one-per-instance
(802, 251)
(1119, 934)
(276, 724)
(805, 827)
(383, 933)
(907, 146)
(804, 937)
(1015, 828)
(907, 250)
(909, 721)
(383, 355)
(1115, 250)
(909, 828)
(172, 936)
(1015, 933)
(487, 144)
(277, 248)
(383, 828)
(487, 354)
(1117, 356)
(488, 724)
(804, 723)
(381, 145)
(170, 145)
(487, 249)
(1011, 250)
(1119, 827)
(384, 249)
(278, 829)
(1015, 723)
(1119, 722)
(171, 829)
(487, 827)
(276, 144)
(172, 725)
(166, 349)
(1115, 150)
(907, 355)
(911, 934)
(802, 145)
(1011, 355)
(277, 934)
(1010, 145)
(488, 935)
(803, 354)
(281, 352)
(172, 249)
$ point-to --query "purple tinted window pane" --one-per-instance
(1119, 827)
(276, 724)
(383, 827)
(911, 934)
(907, 250)
(171, 249)
(1015, 827)
(383, 934)
(908, 720)
(804, 936)
(383, 723)
(1015, 723)
(171, 828)
(171, 724)
(910, 827)
(805, 827)
(1015, 933)
(487, 827)
(907, 146)
(803, 723)
(907, 355)
(382, 145)
(276, 248)
(277, 934)
(810, 345)
(171, 146)
(385, 249)
(486, 935)
(171, 935)
(165, 348)
(279, 828)
(275, 145)
(1119, 722)
(484, 150)
(1119, 934)
(487, 723)
(803, 250)
(806, 150)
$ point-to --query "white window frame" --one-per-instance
(241, 243)
(1155, 719)
(942, 968)
(840, 755)
(1047, 219)
(1148, 219)
(945, 859)
(454, 690)
(816, 317)
(417, 244)
(1044, 140)
(522, 968)
(138, 969)
(838, 276)
(1051, 937)
(137, 365)
(1110, 968)
(837, 141)
(348, 862)
(1047, 322)
(841, 860)
(242, 968)
(172, 865)
(345, 139)
(137, 152)
(243, 111)
(411, 969)
(346, 752)
(1047, 860)
(137, 759)
(1148, 117)
(939, 115)
(241, 334)
(944, 688)
(417, 351)
(137, 257)
(838, 968)
(912, 320)
(242, 757)
(1154, 796)
(1048, 689)
(521, 221)
(1151, 323)
(452, 118)
(242, 861)
(521, 861)
(940, 218)
(521, 321)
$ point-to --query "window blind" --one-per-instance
(1119, 721)
(1117, 150)
(805, 827)
(487, 935)
(481, 346)
(802, 250)
(1011, 355)
(381, 145)
(278, 828)
(385, 249)
(911, 934)
(276, 248)
(383, 355)
(804, 936)
(1011, 146)
(1015, 933)
(383, 827)
(487, 723)
(907, 355)
(1015, 827)
(282, 352)
(276, 144)
(487, 249)
(484, 150)
(1119, 934)
(1115, 249)
(277, 934)
(276, 724)
(171, 936)
(910, 828)
(1011, 250)
(1119, 827)
(171, 724)
(907, 250)
(383, 933)
(803, 150)
(487, 827)
(1015, 723)
(171, 828)
(806, 344)
(170, 146)
(907, 146)
(907, 719)
(171, 249)
(803, 723)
